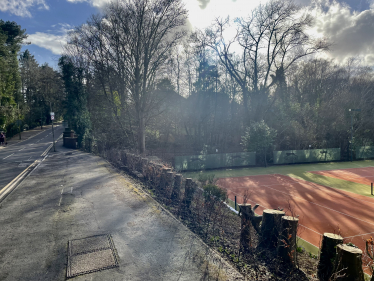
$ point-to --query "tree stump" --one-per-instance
(169, 184)
(138, 163)
(270, 228)
(348, 262)
(328, 254)
(286, 249)
(188, 192)
(144, 169)
(163, 178)
(245, 234)
(177, 187)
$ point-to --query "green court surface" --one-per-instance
(300, 171)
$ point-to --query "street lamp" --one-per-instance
(352, 131)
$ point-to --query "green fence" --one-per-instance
(305, 156)
(364, 152)
(213, 161)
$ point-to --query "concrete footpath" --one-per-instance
(74, 195)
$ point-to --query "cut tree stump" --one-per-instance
(348, 262)
(163, 178)
(287, 240)
(328, 254)
(169, 184)
(144, 167)
(245, 237)
(175, 195)
(189, 190)
(270, 228)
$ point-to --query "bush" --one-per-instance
(214, 193)
(205, 179)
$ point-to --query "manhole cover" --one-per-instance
(91, 254)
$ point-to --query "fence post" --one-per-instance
(328, 254)
(245, 235)
(287, 240)
(177, 187)
(349, 262)
(270, 228)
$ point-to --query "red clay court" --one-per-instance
(320, 208)
(359, 175)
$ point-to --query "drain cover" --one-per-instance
(91, 254)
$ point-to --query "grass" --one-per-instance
(300, 171)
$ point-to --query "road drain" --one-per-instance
(91, 254)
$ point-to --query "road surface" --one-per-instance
(17, 157)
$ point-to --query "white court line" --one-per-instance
(358, 235)
(8, 156)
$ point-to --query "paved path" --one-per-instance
(15, 157)
(73, 195)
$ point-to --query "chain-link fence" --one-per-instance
(306, 156)
(214, 161)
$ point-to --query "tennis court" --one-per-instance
(358, 175)
(320, 208)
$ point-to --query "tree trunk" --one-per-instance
(245, 233)
(328, 254)
(348, 263)
(141, 135)
(287, 240)
(270, 228)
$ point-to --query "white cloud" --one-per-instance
(203, 12)
(50, 41)
(95, 3)
(21, 7)
(351, 32)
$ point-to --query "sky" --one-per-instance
(348, 24)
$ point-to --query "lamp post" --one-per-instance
(53, 132)
(352, 131)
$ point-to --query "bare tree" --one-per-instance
(130, 44)
(271, 39)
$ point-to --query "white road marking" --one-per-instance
(62, 190)
(71, 190)
(8, 156)
(59, 203)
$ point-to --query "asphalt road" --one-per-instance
(17, 157)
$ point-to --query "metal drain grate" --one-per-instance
(91, 254)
